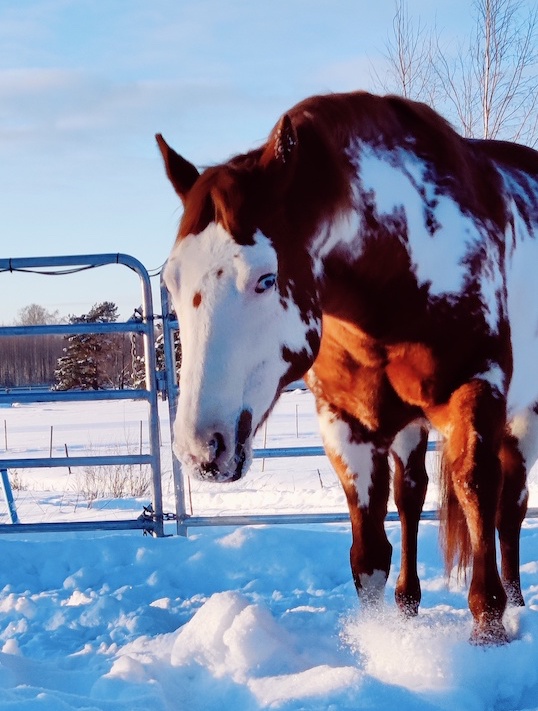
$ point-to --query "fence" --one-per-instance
(152, 520)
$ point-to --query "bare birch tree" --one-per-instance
(489, 87)
(409, 51)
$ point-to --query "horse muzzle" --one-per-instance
(219, 456)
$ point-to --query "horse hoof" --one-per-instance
(489, 634)
(407, 606)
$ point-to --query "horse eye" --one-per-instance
(265, 282)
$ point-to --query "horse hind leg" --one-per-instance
(474, 424)
(410, 483)
(519, 452)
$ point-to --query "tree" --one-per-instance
(30, 360)
(93, 361)
(139, 361)
(35, 315)
(409, 52)
(489, 88)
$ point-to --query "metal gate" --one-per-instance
(151, 520)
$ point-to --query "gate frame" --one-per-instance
(152, 519)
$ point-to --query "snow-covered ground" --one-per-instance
(229, 618)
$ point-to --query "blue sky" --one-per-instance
(85, 85)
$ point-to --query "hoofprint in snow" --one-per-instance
(230, 618)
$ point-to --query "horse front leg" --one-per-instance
(410, 484)
(474, 424)
(363, 469)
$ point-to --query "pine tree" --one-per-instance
(89, 359)
(139, 361)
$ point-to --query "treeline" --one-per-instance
(83, 361)
(87, 361)
(32, 361)
(27, 361)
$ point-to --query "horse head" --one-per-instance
(245, 296)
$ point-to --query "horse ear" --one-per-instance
(180, 172)
(282, 144)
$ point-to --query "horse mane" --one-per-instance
(460, 167)
(233, 193)
(511, 155)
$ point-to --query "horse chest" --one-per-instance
(359, 374)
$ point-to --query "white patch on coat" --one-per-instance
(398, 179)
(406, 441)
(522, 309)
(375, 582)
(394, 179)
(496, 377)
(231, 337)
(356, 456)
(524, 427)
(341, 232)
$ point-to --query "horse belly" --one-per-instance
(522, 305)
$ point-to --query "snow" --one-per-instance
(240, 619)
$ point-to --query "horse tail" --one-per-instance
(453, 530)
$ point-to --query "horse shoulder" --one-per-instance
(412, 370)
(350, 373)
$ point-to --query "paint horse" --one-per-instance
(369, 246)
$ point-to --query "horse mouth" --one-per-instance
(221, 468)
(212, 472)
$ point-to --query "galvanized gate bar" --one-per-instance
(140, 524)
(60, 329)
(170, 325)
(95, 460)
(8, 496)
(144, 326)
(71, 395)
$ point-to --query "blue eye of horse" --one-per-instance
(265, 282)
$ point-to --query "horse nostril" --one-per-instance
(216, 444)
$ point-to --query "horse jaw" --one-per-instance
(240, 347)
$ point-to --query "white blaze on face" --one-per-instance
(233, 326)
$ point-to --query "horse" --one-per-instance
(368, 247)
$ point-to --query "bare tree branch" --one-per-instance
(409, 53)
(489, 88)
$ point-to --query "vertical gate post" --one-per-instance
(169, 326)
(8, 497)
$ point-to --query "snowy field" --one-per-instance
(228, 619)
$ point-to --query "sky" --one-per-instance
(85, 85)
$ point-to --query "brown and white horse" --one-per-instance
(371, 247)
